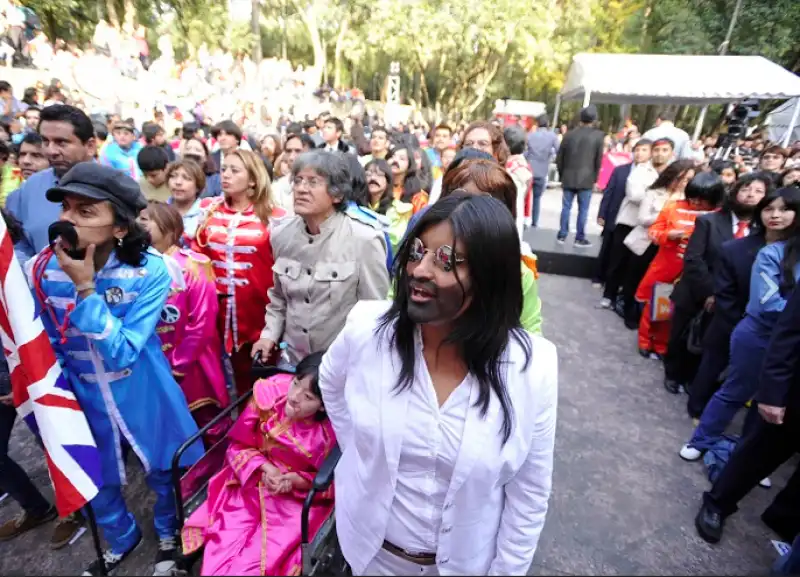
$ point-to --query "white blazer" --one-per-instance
(495, 507)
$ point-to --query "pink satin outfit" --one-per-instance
(246, 529)
(191, 342)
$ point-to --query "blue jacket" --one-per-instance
(115, 156)
(30, 206)
(112, 358)
(613, 195)
(766, 302)
(376, 221)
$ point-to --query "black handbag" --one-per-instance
(695, 332)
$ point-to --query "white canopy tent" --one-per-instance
(677, 79)
(778, 122)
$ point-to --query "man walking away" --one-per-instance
(578, 161)
(542, 148)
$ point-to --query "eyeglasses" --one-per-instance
(375, 173)
(477, 144)
(312, 182)
(444, 257)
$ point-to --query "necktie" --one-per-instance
(741, 229)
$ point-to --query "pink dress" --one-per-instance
(191, 342)
(247, 530)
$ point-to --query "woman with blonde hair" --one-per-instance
(235, 234)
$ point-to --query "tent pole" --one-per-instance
(792, 124)
(587, 98)
(557, 110)
(699, 126)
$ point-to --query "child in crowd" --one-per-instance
(188, 327)
(250, 523)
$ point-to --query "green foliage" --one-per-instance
(456, 56)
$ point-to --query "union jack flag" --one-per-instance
(43, 397)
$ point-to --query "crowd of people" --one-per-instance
(386, 270)
(701, 256)
(179, 263)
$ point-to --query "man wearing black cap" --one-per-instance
(102, 290)
(578, 161)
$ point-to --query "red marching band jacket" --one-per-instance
(239, 246)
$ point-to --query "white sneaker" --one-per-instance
(765, 482)
(690, 454)
(605, 303)
(166, 557)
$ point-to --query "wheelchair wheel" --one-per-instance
(323, 556)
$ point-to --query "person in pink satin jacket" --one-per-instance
(250, 522)
(188, 328)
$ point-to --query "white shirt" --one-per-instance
(430, 447)
(642, 176)
(495, 504)
(735, 222)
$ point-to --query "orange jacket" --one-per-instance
(667, 266)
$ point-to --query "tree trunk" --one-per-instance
(130, 15)
(309, 17)
(255, 28)
(111, 12)
(337, 53)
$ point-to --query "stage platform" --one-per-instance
(563, 259)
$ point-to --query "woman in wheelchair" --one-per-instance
(250, 523)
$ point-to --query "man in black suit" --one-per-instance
(578, 161)
(773, 439)
(613, 195)
(695, 290)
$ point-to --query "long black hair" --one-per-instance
(387, 197)
(482, 332)
(791, 252)
(134, 245)
(672, 173)
(411, 184)
(309, 367)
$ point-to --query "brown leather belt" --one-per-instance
(418, 558)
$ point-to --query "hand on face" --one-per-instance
(79, 271)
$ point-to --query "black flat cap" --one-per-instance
(92, 180)
(589, 114)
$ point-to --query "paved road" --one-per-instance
(623, 501)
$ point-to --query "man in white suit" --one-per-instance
(444, 407)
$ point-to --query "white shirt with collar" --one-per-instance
(486, 507)
(427, 458)
(735, 223)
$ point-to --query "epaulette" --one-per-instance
(367, 216)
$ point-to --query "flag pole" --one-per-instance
(98, 549)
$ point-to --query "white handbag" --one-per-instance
(637, 240)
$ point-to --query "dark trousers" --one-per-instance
(679, 364)
(618, 259)
(706, 381)
(539, 185)
(637, 267)
(13, 479)
(604, 258)
(763, 449)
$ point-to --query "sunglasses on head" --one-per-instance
(444, 257)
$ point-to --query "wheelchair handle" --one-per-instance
(322, 480)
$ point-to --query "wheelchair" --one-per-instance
(320, 555)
